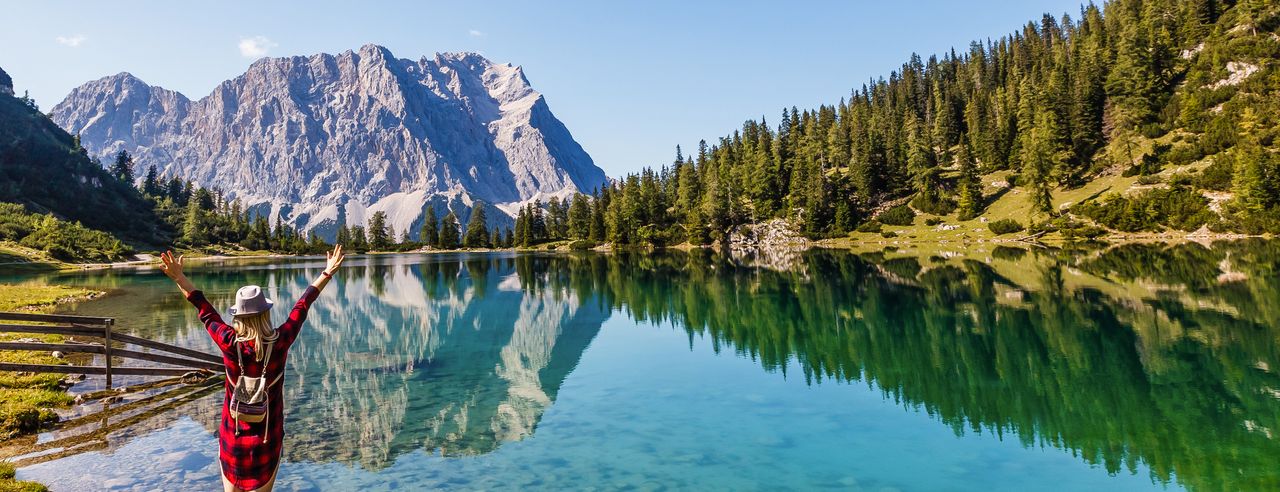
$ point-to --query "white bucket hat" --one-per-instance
(250, 300)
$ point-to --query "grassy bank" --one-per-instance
(27, 400)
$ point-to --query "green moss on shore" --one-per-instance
(9, 484)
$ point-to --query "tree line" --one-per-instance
(1057, 103)
(202, 217)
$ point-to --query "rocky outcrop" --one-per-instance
(6, 83)
(326, 139)
(771, 234)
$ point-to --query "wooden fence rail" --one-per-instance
(124, 371)
(96, 327)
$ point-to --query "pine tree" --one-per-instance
(556, 217)
(379, 236)
(151, 185)
(1039, 158)
(449, 230)
(278, 237)
(969, 202)
(430, 234)
(1133, 84)
(173, 189)
(1255, 175)
(204, 199)
(239, 226)
(122, 168)
(316, 244)
(477, 235)
(579, 218)
(921, 160)
(690, 202)
(537, 223)
(343, 236)
(194, 231)
(598, 228)
(359, 240)
(522, 227)
(256, 235)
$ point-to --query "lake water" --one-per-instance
(994, 368)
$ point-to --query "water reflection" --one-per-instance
(399, 354)
(1151, 354)
(1136, 357)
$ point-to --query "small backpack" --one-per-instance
(249, 396)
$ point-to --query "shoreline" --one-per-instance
(1113, 240)
(852, 243)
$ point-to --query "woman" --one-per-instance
(254, 353)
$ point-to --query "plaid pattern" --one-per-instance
(250, 457)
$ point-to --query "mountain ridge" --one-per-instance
(326, 139)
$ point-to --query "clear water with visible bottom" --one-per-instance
(1139, 367)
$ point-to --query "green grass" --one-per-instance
(36, 297)
(18, 258)
(8, 484)
(27, 400)
(1014, 204)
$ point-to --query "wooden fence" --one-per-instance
(100, 328)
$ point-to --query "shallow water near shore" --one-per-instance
(995, 368)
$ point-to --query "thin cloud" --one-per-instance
(256, 47)
(71, 41)
(476, 33)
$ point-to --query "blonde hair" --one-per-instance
(255, 328)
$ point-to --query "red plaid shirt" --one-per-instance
(248, 460)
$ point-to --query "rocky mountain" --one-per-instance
(323, 139)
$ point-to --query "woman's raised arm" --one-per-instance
(222, 334)
(172, 268)
(332, 260)
(289, 330)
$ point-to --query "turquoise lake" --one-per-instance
(990, 368)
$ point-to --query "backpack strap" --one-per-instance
(240, 364)
(266, 361)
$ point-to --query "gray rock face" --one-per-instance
(325, 139)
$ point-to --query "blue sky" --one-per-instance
(630, 79)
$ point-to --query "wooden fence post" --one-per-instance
(106, 343)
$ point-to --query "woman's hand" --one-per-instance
(171, 266)
(333, 259)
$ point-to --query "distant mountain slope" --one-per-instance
(41, 168)
(325, 138)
